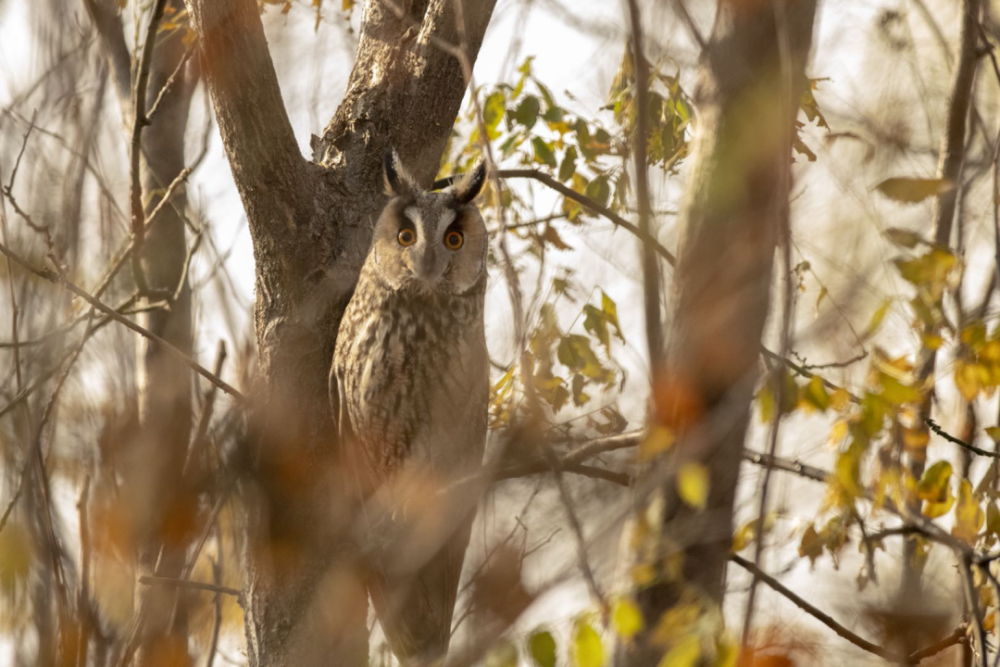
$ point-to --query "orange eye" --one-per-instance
(453, 240)
(406, 237)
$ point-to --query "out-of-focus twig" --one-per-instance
(647, 254)
(110, 312)
(139, 121)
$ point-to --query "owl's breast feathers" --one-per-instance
(413, 376)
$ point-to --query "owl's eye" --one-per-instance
(406, 236)
(453, 240)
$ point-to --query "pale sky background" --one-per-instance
(837, 225)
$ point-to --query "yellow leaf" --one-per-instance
(745, 536)
(587, 648)
(876, 320)
(839, 431)
(659, 439)
(643, 574)
(932, 341)
(915, 438)
(967, 379)
(766, 403)
(992, 519)
(993, 432)
(933, 510)
(626, 618)
(969, 516)
(693, 484)
(933, 485)
(684, 654)
(840, 399)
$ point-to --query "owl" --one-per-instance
(409, 392)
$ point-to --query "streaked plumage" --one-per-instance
(410, 387)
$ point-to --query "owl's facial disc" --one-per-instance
(427, 258)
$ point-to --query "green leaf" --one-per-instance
(543, 152)
(542, 647)
(913, 190)
(580, 397)
(815, 393)
(493, 111)
(575, 353)
(596, 324)
(527, 111)
(599, 190)
(587, 648)
(568, 166)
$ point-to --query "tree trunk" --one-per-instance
(155, 492)
(311, 223)
(737, 201)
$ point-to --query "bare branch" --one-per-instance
(110, 312)
(586, 201)
(816, 613)
(139, 121)
(650, 267)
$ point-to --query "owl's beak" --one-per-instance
(426, 268)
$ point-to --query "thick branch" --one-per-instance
(105, 16)
(268, 168)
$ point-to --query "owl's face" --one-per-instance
(431, 242)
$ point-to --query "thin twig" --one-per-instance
(589, 203)
(816, 613)
(574, 524)
(168, 84)
(151, 580)
(110, 312)
(934, 426)
(972, 600)
(139, 120)
(647, 254)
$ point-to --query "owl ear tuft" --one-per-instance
(471, 184)
(398, 181)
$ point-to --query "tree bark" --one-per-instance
(737, 201)
(311, 224)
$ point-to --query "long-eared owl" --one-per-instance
(409, 390)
